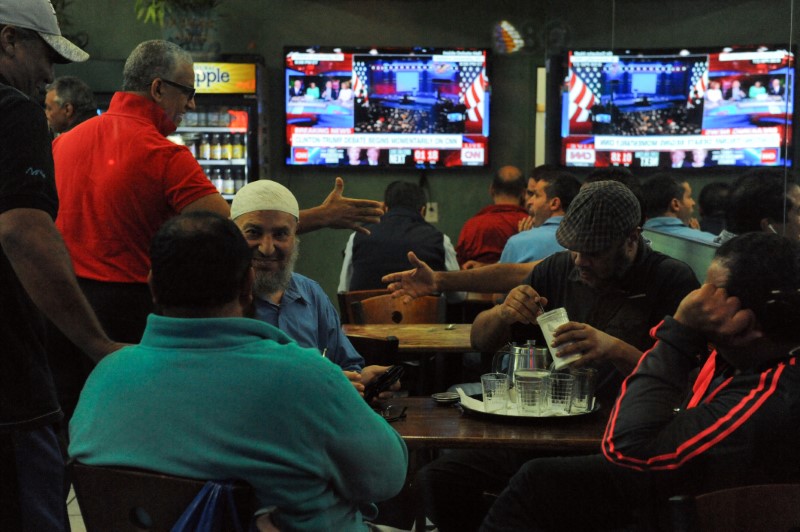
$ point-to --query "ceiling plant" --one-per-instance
(155, 11)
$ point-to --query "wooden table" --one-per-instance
(429, 425)
(419, 338)
(422, 342)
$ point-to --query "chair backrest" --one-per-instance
(473, 304)
(698, 255)
(773, 507)
(388, 309)
(346, 299)
(123, 499)
(380, 351)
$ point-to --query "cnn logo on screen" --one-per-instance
(769, 156)
(300, 155)
(580, 156)
(472, 155)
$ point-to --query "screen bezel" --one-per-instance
(557, 71)
(485, 135)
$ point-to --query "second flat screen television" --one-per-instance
(723, 107)
(388, 107)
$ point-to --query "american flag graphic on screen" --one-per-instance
(472, 83)
(699, 79)
(584, 85)
(359, 75)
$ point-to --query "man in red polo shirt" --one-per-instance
(483, 236)
(119, 179)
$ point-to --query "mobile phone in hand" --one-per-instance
(383, 382)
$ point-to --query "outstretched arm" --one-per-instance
(339, 212)
(422, 280)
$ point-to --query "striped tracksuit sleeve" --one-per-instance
(728, 420)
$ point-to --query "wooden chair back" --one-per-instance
(773, 507)
(346, 299)
(123, 499)
(380, 351)
(387, 309)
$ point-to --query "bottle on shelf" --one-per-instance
(237, 146)
(205, 147)
(190, 141)
(228, 186)
(216, 147)
(189, 119)
(201, 116)
(238, 179)
(218, 180)
(227, 147)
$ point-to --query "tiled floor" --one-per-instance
(75, 519)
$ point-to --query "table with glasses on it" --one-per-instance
(427, 426)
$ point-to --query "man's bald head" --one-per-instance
(508, 182)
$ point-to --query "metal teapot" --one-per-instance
(515, 357)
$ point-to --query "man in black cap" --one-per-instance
(35, 273)
(614, 288)
(735, 424)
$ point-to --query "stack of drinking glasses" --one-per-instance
(522, 384)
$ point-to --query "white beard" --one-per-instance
(268, 283)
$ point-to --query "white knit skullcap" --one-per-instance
(264, 195)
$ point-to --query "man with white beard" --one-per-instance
(267, 214)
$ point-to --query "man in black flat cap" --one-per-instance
(614, 288)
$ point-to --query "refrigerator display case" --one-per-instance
(225, 131)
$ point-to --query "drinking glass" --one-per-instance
(495, 391)
(560, 390)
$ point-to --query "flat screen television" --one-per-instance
(659, 109)
(386, 107)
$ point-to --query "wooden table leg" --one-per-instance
(417, 460)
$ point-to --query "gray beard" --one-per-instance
(267, 283)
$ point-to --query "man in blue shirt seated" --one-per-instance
(548, 197)
(267, 214)
(668, 208)
(209, 394)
